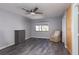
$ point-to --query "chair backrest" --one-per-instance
(57, 33)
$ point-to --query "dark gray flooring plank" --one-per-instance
(36, 46)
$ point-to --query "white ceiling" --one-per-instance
(48, 9)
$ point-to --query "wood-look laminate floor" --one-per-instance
(35, 46)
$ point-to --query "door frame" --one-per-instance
(74, 29)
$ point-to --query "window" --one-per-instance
(38, 27)
(45, 28)
(42, 28)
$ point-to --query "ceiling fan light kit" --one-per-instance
(32, 13)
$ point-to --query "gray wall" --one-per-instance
(64, 29)
(27, 28)
(8, 23)
(54, 24)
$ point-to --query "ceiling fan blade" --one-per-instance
(35, 9)
(25, 10)
(38, 12)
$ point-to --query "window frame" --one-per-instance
(41, 29)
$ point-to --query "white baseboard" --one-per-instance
(41, 37)
(27, 38)
(6, 46)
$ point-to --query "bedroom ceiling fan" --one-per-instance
(32, 11)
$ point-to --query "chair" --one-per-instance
(56, 37)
